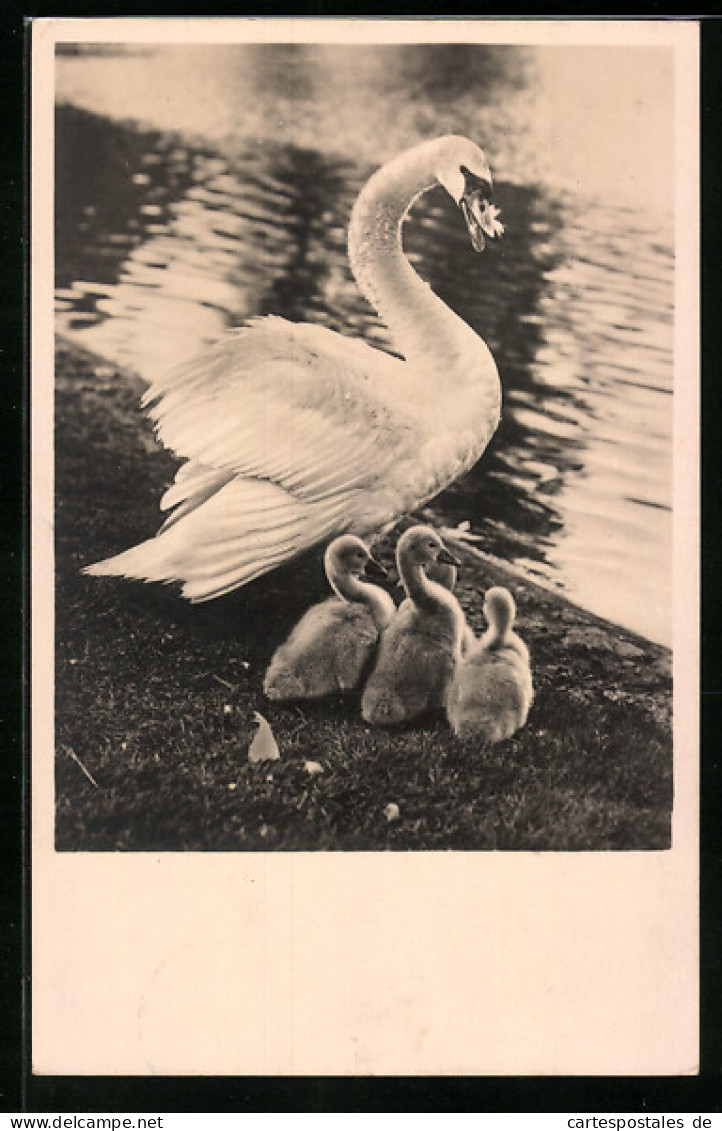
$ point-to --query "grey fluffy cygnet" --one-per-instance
(420, 648)
(491, 693)
(331, 645)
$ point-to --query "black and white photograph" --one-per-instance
(364, 533)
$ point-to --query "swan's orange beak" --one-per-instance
(482, 217)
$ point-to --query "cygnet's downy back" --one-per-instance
(491, 693)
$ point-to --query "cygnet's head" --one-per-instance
(422, 546)
(499, 608)
(463, 170)
(348, 556)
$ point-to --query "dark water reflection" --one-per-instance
(160, 245)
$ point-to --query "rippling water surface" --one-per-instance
(197, 186)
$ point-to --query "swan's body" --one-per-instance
(490, 696)
(334, 641)
(293, 433)
(421, 647)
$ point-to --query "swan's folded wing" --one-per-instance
(302, 406)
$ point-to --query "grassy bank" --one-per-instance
(155, 698)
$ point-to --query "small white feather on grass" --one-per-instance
(264, 747)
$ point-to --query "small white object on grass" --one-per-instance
(313, 767)
(392, 812)
(264, 747)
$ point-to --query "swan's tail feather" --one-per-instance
(147, 561)
(244, 530)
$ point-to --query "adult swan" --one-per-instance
(292, 434)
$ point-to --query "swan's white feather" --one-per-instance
(284, 401)
(245, 529)
(284, 447)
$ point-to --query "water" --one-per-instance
(197, 186)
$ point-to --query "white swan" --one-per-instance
(491, 693)
(293, 433)
(421, 647)
(333, 642)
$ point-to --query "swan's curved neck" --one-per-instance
(420, 323)
(500, 635)
(496, 636)
(431, 596)
(377, 600)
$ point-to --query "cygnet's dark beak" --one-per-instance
(375, 569)
(447, 558)
(480, 214)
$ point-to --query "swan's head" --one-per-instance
(422, 546)
(350, 556)
(499, 608)
(463, 170)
